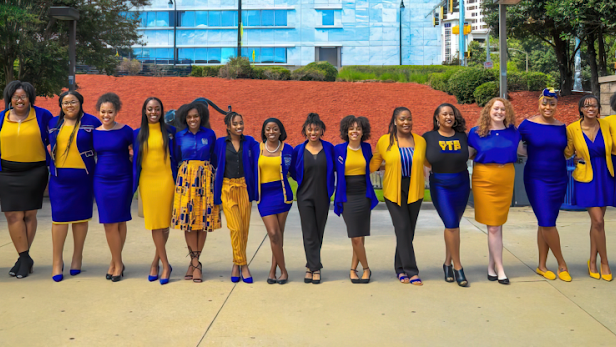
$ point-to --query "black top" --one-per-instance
(446, 154)
(234, 166)
(314, 183)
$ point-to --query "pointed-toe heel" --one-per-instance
(118, 278)
(154, 278)
(448, 270)
(594, 275)
(235, 279)
(166, 280)
(59, 277)
(247, 279)
(460, 277)
(366, 280)
(75, 272)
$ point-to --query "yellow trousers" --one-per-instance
(237, 207)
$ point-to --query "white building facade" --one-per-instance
(479, 29)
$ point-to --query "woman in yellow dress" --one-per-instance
(154, 172)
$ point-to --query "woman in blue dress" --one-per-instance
(70, 186)
(545, 178)
(113, 179)
(590, 140)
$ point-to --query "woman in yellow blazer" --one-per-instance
(590, 140)
(403, 187)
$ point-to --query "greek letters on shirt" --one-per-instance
(452, 146)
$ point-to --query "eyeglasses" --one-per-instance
(69, 103)
(20, 97)
(590, 106)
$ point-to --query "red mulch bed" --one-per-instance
(291, 101)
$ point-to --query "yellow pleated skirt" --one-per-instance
(492, 192)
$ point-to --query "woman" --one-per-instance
(23, 171)
(545, 178)
(312, 166)
(113, 179)
(274, 195)
(234, 188)
(154, 172)
(446, 156)
(193, 207)
(493, 144)
(355, 197)
(591, 141)
(70, 186)
(403, 187)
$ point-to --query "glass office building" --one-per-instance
(290, 32)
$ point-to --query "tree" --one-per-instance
(34, 47)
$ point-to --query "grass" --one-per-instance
(405, 73)
(352, 76)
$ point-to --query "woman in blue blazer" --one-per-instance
(355, 197)
(312, 166)
(71, 190)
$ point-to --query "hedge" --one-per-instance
(277, 73)
(464, 82)
(236, 67)
(400, 73)
(486, 92)
(317, 71)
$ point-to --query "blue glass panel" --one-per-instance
(229, 19)
(214, 19)
(151, 22)
(254, 18)
(228, 52)
(164, 53)
(137, 53)
(213, 55)
(247, 52)
(162, 19)
(147, 52)
(257, 54)
(201, 18)
(187, 19)
(244, 18)
(267, 55)
(328, 17)
(201, 55)
(281, 18)
(143, 16)
(267, 18)
(280, 55)
(186, 54)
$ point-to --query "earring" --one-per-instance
(438, 124)
(455, 123)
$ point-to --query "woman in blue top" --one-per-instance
(494, 144)
(23, 171)
(113, 179)
(355, 197)
(545, 178)
(194, 210)
(70, 186)
(312, 166)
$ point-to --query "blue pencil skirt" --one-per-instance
(71, 196)
(113, 198)
(272, 199)
(545, 195)
(450, 193)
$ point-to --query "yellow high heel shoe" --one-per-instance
(606, 277)
(594, 275)
(547, 274)
(564, 276)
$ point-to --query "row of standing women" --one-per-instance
(184, 177)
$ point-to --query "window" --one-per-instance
(187, 19)
(253, 18)
(227, 53)
(143, 16)
(186, 54)
(267, 18)
(328, 17)
(280, 55)
(201, 18)
(229, 19)
(201, 55)
(281, 18)
(248, 51)
(214, 18)
(267, 55)
(151, 19)
(213, 55)
(162, 19)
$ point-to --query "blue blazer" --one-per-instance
(85, 144)
(137, 166)
(341, 155)
(285, 163)
(250, 150)
(42, 118)
(297, 165)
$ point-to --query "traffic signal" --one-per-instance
(454, 6)
(435, 19)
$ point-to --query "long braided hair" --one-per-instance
(144, 133)
(61, 121)
(393, 132)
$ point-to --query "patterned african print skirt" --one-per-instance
(193, 204)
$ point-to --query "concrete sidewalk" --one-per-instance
(87, 310)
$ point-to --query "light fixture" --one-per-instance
(402, 4)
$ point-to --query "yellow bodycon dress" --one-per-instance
(156, 185)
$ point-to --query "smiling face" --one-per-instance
(272, 132)
(193, 119)
(237, 126)
(355, 132)
(107, 114)
(498, 113)
(404, 122)
(20, 101)
(70, 106)
(590, 108)
(153, 111)
(313, 132)
(446, 118)
(547, 107)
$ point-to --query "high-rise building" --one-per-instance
(474, 17)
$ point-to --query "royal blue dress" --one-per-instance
(600, 191)
(113, 176)
(545, 174)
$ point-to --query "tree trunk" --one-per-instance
(9, 72)
(602, 54)
(592, 61)
(561, 48)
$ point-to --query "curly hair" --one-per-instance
(348, 122)
(111, 98)
(202, 110)
(314, 120)
(485, 120)
(229, 117)
(459, 125)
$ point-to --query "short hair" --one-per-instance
(583, 100)
(459, 122)
(111, 98)
(202, 109)
(229, 119)
(12, 87)
(348, 121)
(313, 119)
(283, 133)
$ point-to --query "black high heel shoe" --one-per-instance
(460, 278)
(354, 280)
(15, 268)
(25, 265)
(448, 270)
(366, 280)
(118, 278)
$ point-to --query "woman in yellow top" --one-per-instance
(23, 172)
(154, 172)
(71, 187)
(403, 187)
(590, 140)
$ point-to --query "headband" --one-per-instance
(275, 120)
(548, 93)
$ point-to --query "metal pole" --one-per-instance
(239, 28)
(488, 58)
(462, 40)
(502, 38)
(175, 25)
(401, 9)
(72, 38)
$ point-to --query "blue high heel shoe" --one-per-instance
(75, 272)
(166, 280)
(154, 278)
(247, 279)
(235, 279)
(59, 277)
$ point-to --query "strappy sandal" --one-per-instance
(354, 280)
(366, 280)
(318, 272)
(403, 278)
(306, 279)
(200, 268)
(416, 282)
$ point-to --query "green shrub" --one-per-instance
(257, 72)
(516, 81)
(486, 92)
(439, 81)
(538, 81)
(349, 75)
(211, 71)
(236, 67)
(401, 73)
(464, 82)
(277, 73)
(317, 71)
(196, 71)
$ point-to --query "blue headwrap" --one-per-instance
(548, 93)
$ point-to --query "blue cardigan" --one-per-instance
(341, 155)
(250, 150)
(297, 165)
(85, 144)
(137, 165)
(42, 118)
(285, 163)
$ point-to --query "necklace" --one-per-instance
(274, 151)
(112, 127)
(354, 149)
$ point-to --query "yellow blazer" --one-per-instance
(393, 169)
(611, 120)
(577, 145)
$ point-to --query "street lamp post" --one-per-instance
(502, 42)
(239, 28)
(175, 25)
(71, 15)
(401, 8)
